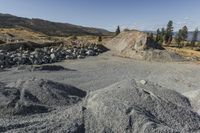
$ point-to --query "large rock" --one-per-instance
(137, 45)
(129, 40)
(129, 106)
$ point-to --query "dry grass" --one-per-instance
(92, 39)
(184, 52)
(29, 35)
(25, 34)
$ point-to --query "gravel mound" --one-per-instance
(130, 106)
(194, 97)
(36, 96)
(66, 120)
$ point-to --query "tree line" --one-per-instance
(165, 35)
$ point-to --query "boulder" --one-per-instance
(90, 53)
(69, 57)
(130, 40)
(80, 56)
(137, 45)
(53, 57)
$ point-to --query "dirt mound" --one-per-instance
(36, 96)
(130, 106)
(138, 45)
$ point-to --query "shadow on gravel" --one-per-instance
(44, 68)
(51, 68)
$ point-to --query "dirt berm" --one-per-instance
(136, 44)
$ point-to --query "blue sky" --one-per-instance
(138, 14)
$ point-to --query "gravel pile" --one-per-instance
(46, 55)
(130, 106)
(26, 97)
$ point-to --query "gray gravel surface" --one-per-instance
(95, 73)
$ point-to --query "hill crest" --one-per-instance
(48, 27)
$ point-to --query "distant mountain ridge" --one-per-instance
(48, 27)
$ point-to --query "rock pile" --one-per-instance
(46, 55)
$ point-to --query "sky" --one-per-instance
(108, 14)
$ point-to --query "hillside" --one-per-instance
(47, 27)
(24, 34)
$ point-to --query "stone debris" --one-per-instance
(143, 82)
(47, 55)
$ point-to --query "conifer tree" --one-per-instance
(117, 31)
(169, 33)
(100, 39)
(194, 37)
(184, 33)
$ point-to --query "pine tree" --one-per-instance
(117, 31)
(169, 33)
(151, 36)
(179, 38)
(194, 37)
(184, 33)
(100, 39)
(158, 35)
(162, 35)
(163, 32)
